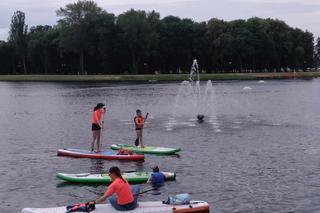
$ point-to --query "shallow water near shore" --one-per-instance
(257, 151)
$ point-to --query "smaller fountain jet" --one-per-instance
(195, 75)
(194, 71)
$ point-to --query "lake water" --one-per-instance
(258, 152)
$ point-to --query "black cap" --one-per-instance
(114, 170)
(138, 111)
(100, 105)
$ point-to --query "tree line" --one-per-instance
(88, 40)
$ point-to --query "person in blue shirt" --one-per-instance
(157, 178)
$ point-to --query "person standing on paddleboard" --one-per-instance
(97, 125)
(127, 197)
(139, 121)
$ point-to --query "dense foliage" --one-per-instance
(89, 40)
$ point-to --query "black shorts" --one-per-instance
(138, 128)
(95, 127)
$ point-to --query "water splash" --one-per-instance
(194, 72)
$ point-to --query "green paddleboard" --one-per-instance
(131, 177)
(147, 149)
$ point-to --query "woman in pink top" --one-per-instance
(97, 125)
(126, 198)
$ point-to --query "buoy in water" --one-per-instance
(200, 118)
(247, 88)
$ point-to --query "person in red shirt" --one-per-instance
(139, 123)
(122, 197)
(97, 125)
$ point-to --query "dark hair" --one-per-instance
(99, 106)
(156, 169)
(138, 111)
(115, 170)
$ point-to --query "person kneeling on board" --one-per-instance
(157, 178)
(121, 196)
(139, 121)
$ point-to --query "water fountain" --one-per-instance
(190, 100)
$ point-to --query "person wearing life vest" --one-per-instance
(97, 125)
(139, 121)
(157, 178)
(121, 196)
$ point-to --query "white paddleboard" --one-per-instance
(144, 207)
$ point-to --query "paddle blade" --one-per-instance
(136, 142)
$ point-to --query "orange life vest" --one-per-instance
(139, 122)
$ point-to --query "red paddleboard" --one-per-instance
(108, 155)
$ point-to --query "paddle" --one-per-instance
(156, 191)
(101, 131)
(136, 142)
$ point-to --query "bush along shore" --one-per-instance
(160, 77)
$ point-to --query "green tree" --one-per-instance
(317, 52)
(298, 56)
(18, 37)
(76, 28)
(40, 41)
(6, 57)
(139, 36)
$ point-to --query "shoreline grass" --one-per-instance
(161, 77)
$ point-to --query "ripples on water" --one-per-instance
(259, 152)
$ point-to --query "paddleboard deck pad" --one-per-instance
(144, 207)
(147, 149)
(131, 177)
(108, 155)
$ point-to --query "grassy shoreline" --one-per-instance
(162, 77)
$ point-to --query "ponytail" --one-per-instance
(120, 176)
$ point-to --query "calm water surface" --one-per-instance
(258, 151)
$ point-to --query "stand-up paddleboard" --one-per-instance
(131, 177)
(144, 207)
(108, 155)
(147, 149)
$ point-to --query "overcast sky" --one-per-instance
(304, 14)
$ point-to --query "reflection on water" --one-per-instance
(258, 152)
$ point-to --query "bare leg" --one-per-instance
(137, 132)
(94, 136)
(140, 139)
(98, 140)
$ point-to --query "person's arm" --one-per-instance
(149, 179)
(101, 199)
(102, 112)
(107, 194)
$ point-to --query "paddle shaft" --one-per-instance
(153, 189)
(146, 191)
(101, 131)
(149, 190)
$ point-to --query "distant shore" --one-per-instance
(160, 77)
